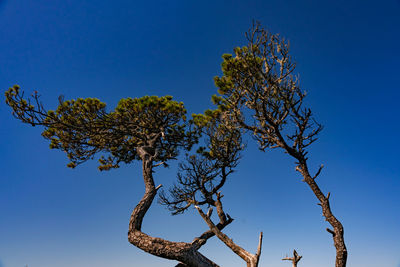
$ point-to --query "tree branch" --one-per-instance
(250, 259)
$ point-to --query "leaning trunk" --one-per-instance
(180, 251)
(338, 231)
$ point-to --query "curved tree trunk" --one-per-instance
(180, 251)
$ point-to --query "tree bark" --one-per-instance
(302, 167)
(338, 231)
(180, 251)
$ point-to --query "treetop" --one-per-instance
(83, 128)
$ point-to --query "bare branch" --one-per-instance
(319, 171)
(330, 231)
(259, 247)
(295, 259)
(250, 259)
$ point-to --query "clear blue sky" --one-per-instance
(348, 61)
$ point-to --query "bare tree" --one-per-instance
(263, 96)
(295, 259)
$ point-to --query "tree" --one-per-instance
(258, 94)
(261, 93)
(150, 129)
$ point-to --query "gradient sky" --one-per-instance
(348, 62)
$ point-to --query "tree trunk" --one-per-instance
(180, 251)
(338, 231)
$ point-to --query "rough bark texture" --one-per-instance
(302, 167)
(338, 231)
(184, 252)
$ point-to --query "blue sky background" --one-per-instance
(348, 61)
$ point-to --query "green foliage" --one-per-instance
(263, 96)
(82, 128)
(203, 120)
(241, 70)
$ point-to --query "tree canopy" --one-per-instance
(82, 128)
